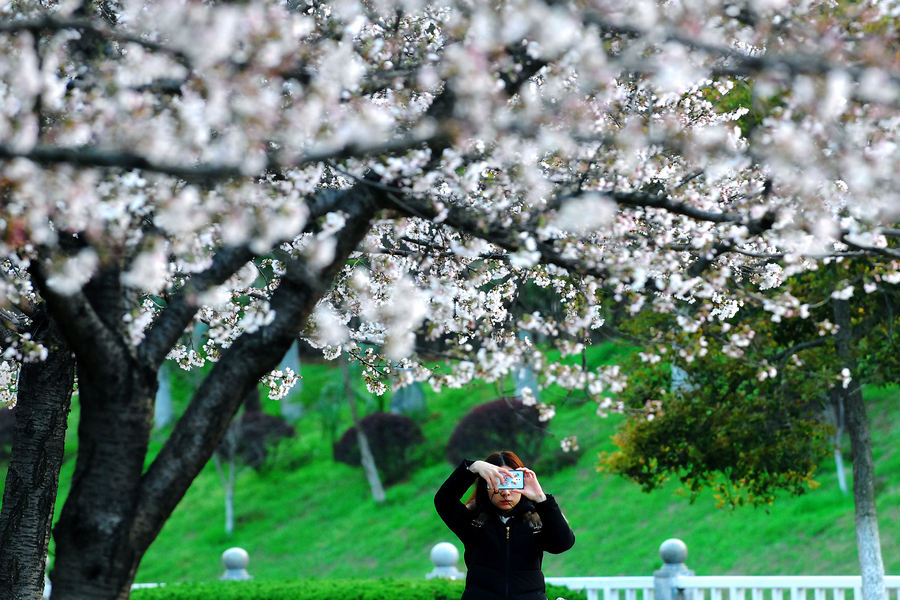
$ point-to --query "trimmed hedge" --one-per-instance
(324, 589)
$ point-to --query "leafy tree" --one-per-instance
(724, 429)
(361, 172)
(750, 419)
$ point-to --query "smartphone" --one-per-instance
(514, 481)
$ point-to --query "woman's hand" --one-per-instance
(490, 473)
(532, 489)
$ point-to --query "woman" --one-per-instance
(505, 532)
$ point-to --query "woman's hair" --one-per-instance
(502, 458)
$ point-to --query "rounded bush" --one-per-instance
(502, 424)
(251, 437)
(259, 433)
(392, 438)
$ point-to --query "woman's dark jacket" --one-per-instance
(503, 559)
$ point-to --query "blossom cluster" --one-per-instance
(540, 167)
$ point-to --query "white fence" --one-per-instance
(633, 588)
(674, 581)
(736, 587)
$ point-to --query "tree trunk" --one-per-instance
(839, 467)
(228, 471)
(116, 507)
(840, 419)
(45, 393)
(867, 538)
(365, 452)
(868, 544)
(163, 411)
(228, 479)
(229, 497)
(95, 553)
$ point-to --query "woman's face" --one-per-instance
(506, 499)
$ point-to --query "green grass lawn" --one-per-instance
(306, 516)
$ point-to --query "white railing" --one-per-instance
(634, 588)
(729, 587)
(674, 581)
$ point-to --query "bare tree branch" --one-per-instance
(94, 157)
(52, 23)
(784, 354)
(871, 250)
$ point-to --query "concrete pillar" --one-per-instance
(673, 553)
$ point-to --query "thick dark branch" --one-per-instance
(203, 424)
(179, 311)
(785, 354)
(168, 86)
(524, 68)
(871, 250)
(85, 332)
(889, 232)
(51, 23)
(642, 200)
(94, 157)
(502, 237)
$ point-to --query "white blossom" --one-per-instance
(504, 149)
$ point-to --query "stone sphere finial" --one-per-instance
(235, 561)
(673, 551)
(444, 554)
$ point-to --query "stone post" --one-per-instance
(445, 556)
(674, 553)
(235, 561)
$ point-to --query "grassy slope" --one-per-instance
(319, 520)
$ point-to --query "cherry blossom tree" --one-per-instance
(357, 171)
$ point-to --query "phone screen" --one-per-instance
(514, 481)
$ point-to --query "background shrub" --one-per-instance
(502, 424)
(260, 432)
(252, 436)
(393, 439)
